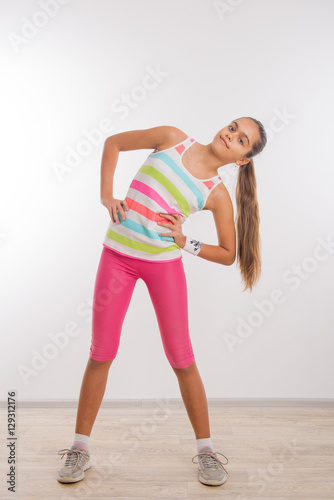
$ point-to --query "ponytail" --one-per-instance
(248, 216)
(247, 225)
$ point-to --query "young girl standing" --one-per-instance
(145, 240)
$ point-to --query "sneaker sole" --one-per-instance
(211, 482)
(68, 479)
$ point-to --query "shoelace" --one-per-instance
(74, 457)
(210, 460)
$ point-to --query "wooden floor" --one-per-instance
(146, 453)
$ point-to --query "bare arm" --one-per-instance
(108, 167)
(222, 210)
(151, 138)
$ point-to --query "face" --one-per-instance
(240, 136)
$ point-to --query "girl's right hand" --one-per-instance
(115, 207)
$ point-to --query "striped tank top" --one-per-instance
(161, 185)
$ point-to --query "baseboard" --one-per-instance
(178, 403)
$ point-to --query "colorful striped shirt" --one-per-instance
(161, 185)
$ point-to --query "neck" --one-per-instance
(206, 157)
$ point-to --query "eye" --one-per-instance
(231, 126)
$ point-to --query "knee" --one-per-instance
(186, 370)
(94, 363)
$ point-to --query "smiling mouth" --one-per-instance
(224, 141)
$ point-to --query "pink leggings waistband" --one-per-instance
(166, 282)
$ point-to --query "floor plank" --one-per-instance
(141, 453)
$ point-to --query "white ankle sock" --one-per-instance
(201, 443)
(81, 440)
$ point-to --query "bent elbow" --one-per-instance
(232, 260)
(228, 258)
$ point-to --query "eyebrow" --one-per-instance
(237, 126)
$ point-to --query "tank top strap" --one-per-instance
(185, 144)
(182, 147)
(213, 182)
(189, 141)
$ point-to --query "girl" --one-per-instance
(144, 240)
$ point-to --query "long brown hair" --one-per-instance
(248, 216)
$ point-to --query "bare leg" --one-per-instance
(194, 398)
(91, 394)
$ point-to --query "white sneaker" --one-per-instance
(211, 470)
(77, 461)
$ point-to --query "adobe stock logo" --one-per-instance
(294, 277)
(63, 338)
(121, 107)
(30, 28)
(225, 7)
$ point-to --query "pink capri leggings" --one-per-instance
(116, 277)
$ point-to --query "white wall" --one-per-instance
(267, 59)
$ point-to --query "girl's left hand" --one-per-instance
(175, 224)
